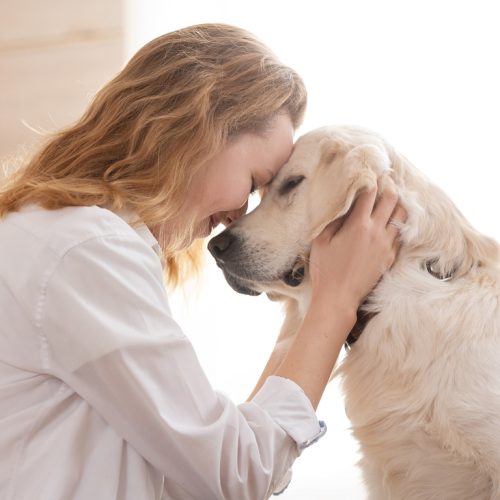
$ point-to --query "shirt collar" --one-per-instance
(129, 216)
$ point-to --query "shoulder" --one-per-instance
(61, 230)
(77, 244)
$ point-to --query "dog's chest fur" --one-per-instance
(409, 385)
(421, 386)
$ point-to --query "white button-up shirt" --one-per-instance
(101, 394)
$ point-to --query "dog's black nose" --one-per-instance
(219, 245)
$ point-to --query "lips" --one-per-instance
(214, 222)
(204, 228)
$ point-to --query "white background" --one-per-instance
(424, 74)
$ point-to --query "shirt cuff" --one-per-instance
(290, 408)
(285, 482)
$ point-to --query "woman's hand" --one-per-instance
(347, 262)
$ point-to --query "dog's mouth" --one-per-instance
(239, 285)
(246, 279)
(292, 278)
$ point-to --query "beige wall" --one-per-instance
(54, 54)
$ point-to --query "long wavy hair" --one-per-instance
(147, 132)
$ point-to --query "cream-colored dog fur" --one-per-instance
(422, 383)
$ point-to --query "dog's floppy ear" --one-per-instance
(340, 177)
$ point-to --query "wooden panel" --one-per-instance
(50, 88)
(25, 20)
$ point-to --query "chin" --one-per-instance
(201, 231)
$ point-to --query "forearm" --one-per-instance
(312, 356)
(270, 369)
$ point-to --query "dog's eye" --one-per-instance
(291, 185)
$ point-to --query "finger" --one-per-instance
(396, 245)
(363, 206)
(386, 204)
(397, 219)
(399, 214)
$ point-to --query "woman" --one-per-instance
(101, 393)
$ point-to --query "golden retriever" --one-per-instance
(422, 381)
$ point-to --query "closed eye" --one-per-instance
(290, 185)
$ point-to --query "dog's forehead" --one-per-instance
(305, 155)
(309, 148)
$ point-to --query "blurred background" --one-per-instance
(54, 54)
(424, 74)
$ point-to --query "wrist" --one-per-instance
(338, 307)
(332, 324)
(315, 349)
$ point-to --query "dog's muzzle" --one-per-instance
(242, 270)
(224, 249)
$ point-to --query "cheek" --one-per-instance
(231, 195)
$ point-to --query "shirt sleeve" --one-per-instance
(109, 334)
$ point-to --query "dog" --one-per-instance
(421, 377)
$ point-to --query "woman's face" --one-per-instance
(220, 194)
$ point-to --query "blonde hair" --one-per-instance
(148, 131)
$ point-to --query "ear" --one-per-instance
(340, 177)
(464, 248)
(483, 250)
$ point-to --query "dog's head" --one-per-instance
(267, 250)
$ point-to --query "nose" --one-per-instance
(219, 245)
(232, 215)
